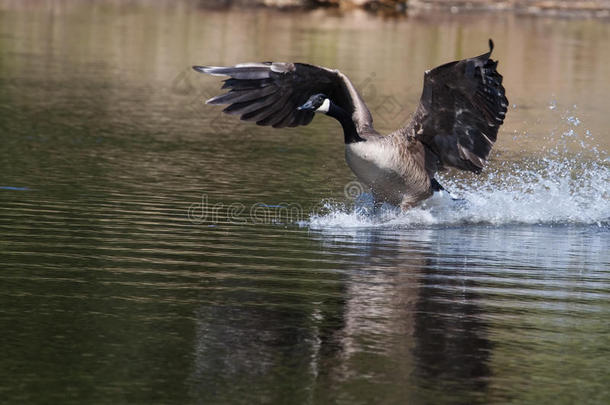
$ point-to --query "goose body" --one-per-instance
(456, 123)
(394, 174)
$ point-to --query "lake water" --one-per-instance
(153, 250)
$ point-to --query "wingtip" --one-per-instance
(211, 70)
(491, 45)
(215, 100)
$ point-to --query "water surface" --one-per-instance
(155, 251)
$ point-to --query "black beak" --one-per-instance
(307, 106)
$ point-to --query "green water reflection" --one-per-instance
(109, 293)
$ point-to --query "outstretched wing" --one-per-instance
(269, 93)
(460, 111)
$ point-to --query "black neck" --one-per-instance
(349, 129)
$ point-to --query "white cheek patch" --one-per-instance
(324, 107)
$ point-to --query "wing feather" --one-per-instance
(239, 96)
(245, 107)
(462, 106)
(269, 93)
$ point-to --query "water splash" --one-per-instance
(567, 183)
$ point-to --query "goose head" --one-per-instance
(316, 103)
(321, 103)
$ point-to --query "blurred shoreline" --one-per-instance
(546, 8)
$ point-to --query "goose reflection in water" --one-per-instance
(408, 320)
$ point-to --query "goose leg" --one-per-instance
(436, 187)
(377, 206)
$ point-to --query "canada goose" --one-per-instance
(456, 123)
